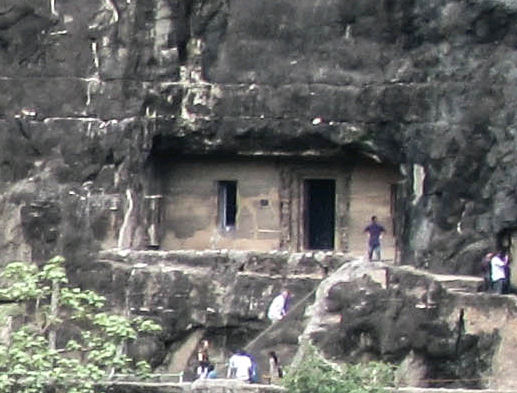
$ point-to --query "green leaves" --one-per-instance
(24, 282)
(29, 362)
(54, 271)
(82, 303)
(314, 374)
(146, 325)
(27, 282)
(115, 326)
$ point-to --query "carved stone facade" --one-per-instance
(279, 203)
(97, 94)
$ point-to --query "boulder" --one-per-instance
(439, 329)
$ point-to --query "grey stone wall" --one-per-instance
(94, 92)
(220, 296)
(439, 329)
(93, 89)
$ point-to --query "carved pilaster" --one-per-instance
(285, 196)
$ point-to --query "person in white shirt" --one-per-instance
(278, 307)
(239, 367)
(498, 271)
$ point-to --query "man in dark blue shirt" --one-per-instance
(374, 231)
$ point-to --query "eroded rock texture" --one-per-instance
(219, 296)
(440, 331)
(94, 90)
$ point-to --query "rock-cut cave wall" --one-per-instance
(93, 88)
(95, 92)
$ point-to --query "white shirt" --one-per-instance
(242, 366)
(498, 268)
(276, 309)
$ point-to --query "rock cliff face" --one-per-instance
(440, 331)
(220, 296)
(95, 91)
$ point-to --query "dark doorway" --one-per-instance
(320, 213)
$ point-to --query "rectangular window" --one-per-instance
(227, 202)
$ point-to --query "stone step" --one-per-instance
(451, 282)
(462, 284)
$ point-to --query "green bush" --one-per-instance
(315, 374)
(31, 361)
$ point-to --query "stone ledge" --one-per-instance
(199, 386)
(233, 386)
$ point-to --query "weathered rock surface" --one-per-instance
(441, 334)
(96, 90)
(219, 296)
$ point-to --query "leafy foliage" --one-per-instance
(30, 361)
(314, 374)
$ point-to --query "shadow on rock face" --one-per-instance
(20, 29)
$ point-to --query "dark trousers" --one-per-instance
(488, 282)
(498, 286)
(375, 249)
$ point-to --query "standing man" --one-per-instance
(240, 366)
(278, 307)
(375, 232)
(499, 265)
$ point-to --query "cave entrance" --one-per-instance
(271, 203)
(319, 213)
